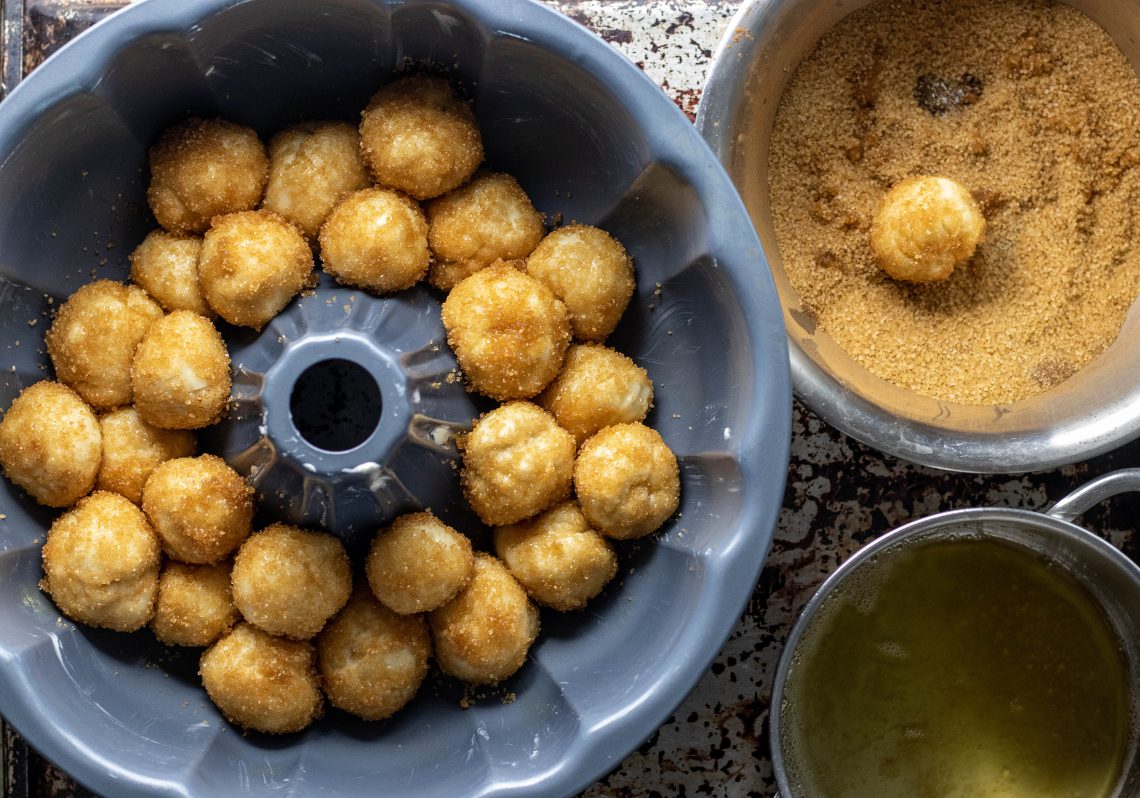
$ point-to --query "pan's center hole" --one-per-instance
(335, 405)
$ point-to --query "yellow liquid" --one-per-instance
(961, 668)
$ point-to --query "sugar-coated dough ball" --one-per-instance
(483, 634)
(202, 168)
(194, 604)
(376, 239)
(260, 682)
(925, 227)
(133, 448)
(372, 660)
(417, 136)
(93, 339)
(487, 219)
(312, 167)
(560, 561)
(166, 267)
(588, 270)
(101, 563)
(418, 563)
(597, 387)
(181, 372)
(516, 462)
(290, 581)
(50, 444)
(627, 481)
(200, 507)
(508, 332)
(252, 264)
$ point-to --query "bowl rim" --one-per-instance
(761, 447)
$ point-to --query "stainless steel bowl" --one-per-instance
(1094, 412)
(1111, 578)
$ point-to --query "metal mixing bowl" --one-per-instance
(1094, 412)
(589, 137)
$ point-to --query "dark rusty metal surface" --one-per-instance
(840, 494)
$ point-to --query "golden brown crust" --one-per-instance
(597, 387)
(372, 660)
(50, 444)
(418, 563)
(194, 605)
(376, 239)
(101, 563)
(627, 481)
(181, 373)
(252, 263)
(166, 267)
(133, 448)
(418, 137)
(483, 634)
(202, 168)
(93, 339)
(200, 507)
(289, 581)
(260, 682)
(508, 331)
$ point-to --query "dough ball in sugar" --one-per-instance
(202, 168)
(418, 563)
(487, 219)
(557, 557)
(508, 331)
(627, 481)
(483, 635)
(290, 581)
(596, 388)
(417, 136)
(252, 264)
(181, 373)
(101, 563)
(93, 338)
(371, 659)
(376, 239)
(516, 462)
(263, 683)
(200, 507)
(132, 449)
(50, 444)
(194, 605)
(166, 267)
(590, 271)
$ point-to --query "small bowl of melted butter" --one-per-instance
(980, 653)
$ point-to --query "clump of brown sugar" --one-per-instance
(1028, 104)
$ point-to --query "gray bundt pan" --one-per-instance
(590, 138)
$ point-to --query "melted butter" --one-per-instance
(964, 668)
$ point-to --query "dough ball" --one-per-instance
(516, 462)
(483, 634)
(50, 444)
(588, 270)
(200, 507)
(372, 660)
(925, 227)
(508, 332)
(101, 563)
(597, 387)
(252, 264)
(166, 267)
(202, 168)
(488, 219)
(560, 561)
(312, 167)
(260, 682)
(132, 448)
(627, 481)
(181, 373)
(93, 339)
(290, 581)
(418, 563)
(194, 604)
(377, 240)
(417, 136)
